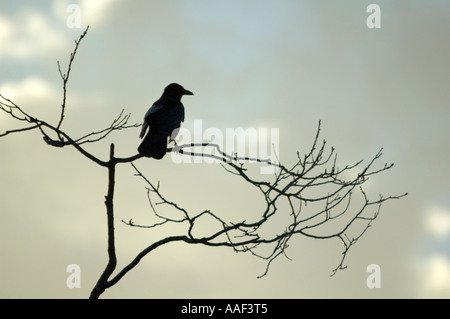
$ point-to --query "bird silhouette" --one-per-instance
(163, 120)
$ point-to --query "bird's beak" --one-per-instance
(186, 92)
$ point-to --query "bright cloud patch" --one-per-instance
(31, 88)
(437, 275)
(435, 267)
(95, 10)
(438, 222)
(31, 35)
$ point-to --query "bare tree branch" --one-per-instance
(118, 124)
(65, 78)
(63, 139)
(289, 186)
(19, 130)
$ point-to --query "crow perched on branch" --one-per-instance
(163, 119)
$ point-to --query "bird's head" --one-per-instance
(175, 91)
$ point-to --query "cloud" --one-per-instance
(34, 94)
(95, 10)
(438, 222)
(28, 35)
(6, 29)
(30, 88)
(434, 268)
(437, 275)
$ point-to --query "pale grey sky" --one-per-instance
(260, 64)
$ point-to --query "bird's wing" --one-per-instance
(182, 113)
(144, 128)
(157, 106)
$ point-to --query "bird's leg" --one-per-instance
(175, 148)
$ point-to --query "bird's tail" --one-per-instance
(152, 148)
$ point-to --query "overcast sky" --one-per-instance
(251, 64)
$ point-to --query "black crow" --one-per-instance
(163, 118)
